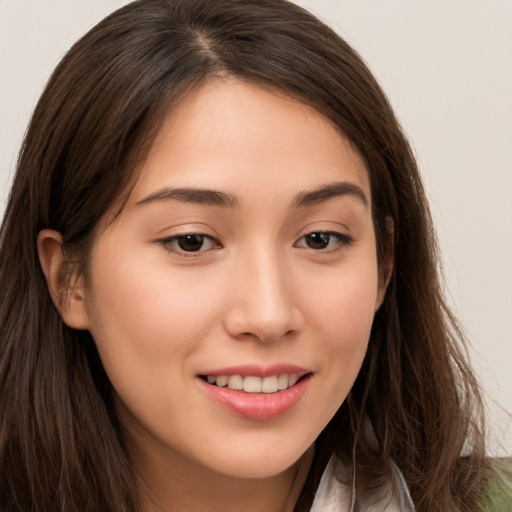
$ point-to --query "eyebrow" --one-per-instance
(193, 195)
(330, 191)
(226, 200)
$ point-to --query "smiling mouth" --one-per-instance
(254, 384)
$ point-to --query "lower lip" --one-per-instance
(257, 406)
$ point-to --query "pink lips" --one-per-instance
(257, 406)
(258, 371)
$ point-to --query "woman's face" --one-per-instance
(244, 258)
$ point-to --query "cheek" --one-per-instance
(344, 303)
(140, 294)
(145, 318)
(341, 313)
(146, 324)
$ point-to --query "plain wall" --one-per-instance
(446, 66)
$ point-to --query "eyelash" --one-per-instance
(171, 244)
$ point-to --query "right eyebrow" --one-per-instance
(193, 195)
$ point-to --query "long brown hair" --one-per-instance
(60, 443)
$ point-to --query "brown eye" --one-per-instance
(320, 240)
(190, 243)
(317, 240)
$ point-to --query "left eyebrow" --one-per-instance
(330, 191)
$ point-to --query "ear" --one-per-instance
(65, 285)
(386, 267)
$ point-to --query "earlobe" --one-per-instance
(386, 272)
(65, 286)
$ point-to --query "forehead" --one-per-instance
(230, 134)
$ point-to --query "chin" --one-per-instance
(258, 462)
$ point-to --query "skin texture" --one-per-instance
(255, 293)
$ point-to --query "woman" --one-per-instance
(220, 281)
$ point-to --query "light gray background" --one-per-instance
(446, 66)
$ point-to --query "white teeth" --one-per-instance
(292, 380)
(235, 382)
(252, 384)
(269, 385)
(222, 381)
(282, 382)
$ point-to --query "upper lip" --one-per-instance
(256, 370)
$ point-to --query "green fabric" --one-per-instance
(498, 495)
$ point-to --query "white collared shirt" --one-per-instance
(334, 496)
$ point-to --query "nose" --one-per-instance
(262, 303)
